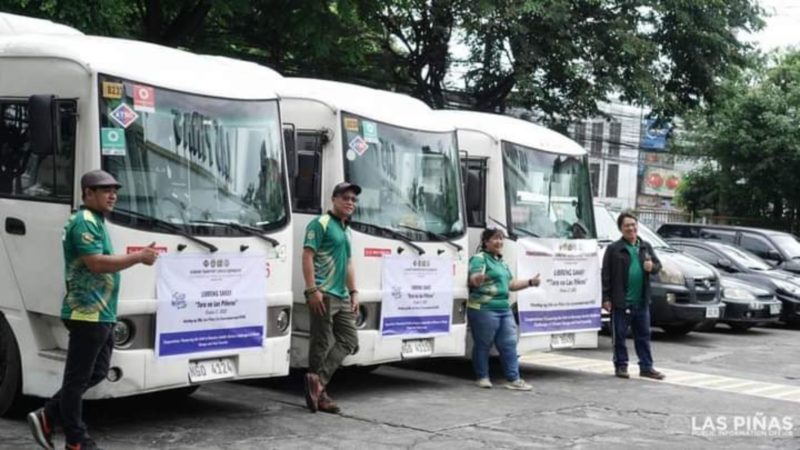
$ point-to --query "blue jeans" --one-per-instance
(638, 318)
(498, 328)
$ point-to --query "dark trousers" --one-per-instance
(333, 336)
(88, 359)
(638, 319)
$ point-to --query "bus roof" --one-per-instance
(12, 24)
(149, 64)
(384, 106)
(511, 129)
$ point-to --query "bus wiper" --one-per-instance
(168, 226)
(437, 236)
(251, 231)
(524, 231)
(394, 234)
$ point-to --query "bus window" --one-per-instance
(36, 177)
(474, 174)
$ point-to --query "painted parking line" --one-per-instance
(698, 380)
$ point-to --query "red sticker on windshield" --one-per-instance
(144, 98)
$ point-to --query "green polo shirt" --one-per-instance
(91, 297)
(329, 238)
(634, 294)
(492, 294)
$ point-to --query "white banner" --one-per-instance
(568, 298)
(417, 296)
(209, 302)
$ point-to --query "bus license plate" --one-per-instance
(211, 369)
(712, 312)
(775, 308)
(416, 348)
(563, 340)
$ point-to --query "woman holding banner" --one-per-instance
(489, 311)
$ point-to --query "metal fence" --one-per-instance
(654, 218)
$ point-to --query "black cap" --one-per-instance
(97, 178)
(345, 186)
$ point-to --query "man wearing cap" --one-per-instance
(330, 294)
(89, 309)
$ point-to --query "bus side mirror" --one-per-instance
(44, 123)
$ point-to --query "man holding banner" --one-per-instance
(330, 294)
(489, 311)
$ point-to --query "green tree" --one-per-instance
(752, 135)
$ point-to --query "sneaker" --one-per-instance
(518, 385)
(652, 374)
(621, 372)
(87, 444)
(484, 383)
(41, 428)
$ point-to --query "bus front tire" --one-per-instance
(10, 371)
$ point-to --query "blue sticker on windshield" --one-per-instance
(370, 131)
(359, 145)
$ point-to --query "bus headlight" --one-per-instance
(283, 320)
(122, 333)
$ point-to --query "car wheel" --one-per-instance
(678, 330)
(10, 371)
(741, 327)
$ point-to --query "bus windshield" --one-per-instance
(409, 178)
(185, 158)
(547, 195)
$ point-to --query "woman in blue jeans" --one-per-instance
(489, 311)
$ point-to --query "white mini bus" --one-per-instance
(197, 146)
(534, 184)
(409, 233)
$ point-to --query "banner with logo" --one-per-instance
(209, 302)
(417, 296)
(568, 298)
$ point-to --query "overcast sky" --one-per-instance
(782, 25)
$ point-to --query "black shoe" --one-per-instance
(652, 373)
(621, 372)
(41, 428)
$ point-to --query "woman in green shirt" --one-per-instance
(489, 311)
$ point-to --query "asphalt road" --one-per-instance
(434, 404)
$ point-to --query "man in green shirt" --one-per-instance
(89, 309)
(627, 266)
(330, 295)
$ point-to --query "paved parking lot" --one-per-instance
(433, 404)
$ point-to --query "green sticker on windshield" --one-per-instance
(370, 131)
(112, 141)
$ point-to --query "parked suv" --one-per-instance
(779, 249)
(685, 292)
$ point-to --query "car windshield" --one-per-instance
(744, 257)
(184, 158)
(547, 195)
(788, 244)
(409, 178)
(607, 228)
(606, 224)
